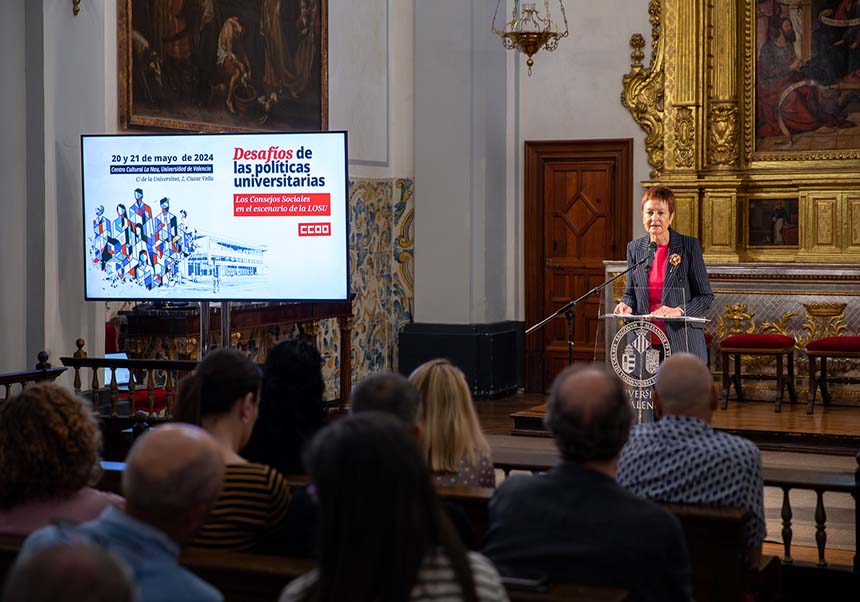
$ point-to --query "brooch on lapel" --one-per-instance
(674, 260)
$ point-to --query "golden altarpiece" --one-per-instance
(775, 204)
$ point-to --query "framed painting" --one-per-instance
(772, 222)
(807, 79)
(223, 65)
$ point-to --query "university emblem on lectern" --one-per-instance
(633, 357)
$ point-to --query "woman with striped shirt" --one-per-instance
(222, 395)
(384, 536)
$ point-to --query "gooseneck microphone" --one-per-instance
(649, 257)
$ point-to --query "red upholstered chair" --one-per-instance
(709, 338)
(821, 350)
(777, 345)
(111, 338)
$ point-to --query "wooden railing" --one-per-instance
(43, 372)
(785, 479)
(143, 376)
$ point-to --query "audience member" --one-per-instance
(222, 395)
(454, 447)
(574, 523)
(393, 394)
(387, 392)
(49, 444)
(70, 573)
(173, 475)
(680, 458)
(384, 536)
(291, 406)
(291, 413)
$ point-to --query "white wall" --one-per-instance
(574, 94)
(13, 203)
(371, 84)
(460, 164)
(79, 81)
(469, 260)
(63, 75)
(461, 135)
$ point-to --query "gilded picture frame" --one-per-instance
(772, 222)
(223, 65)
(802, 80)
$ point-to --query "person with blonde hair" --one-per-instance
(452, 442)
(49, 460)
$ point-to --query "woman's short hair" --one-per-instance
(449, 425)
(221, 379)
(49, 445)
(659, 193)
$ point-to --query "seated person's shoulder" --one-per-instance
(648, 515)
(298, 588)
(516, 487)
(175, 584)
(488, 584)
(52, 535)
(736, 449)
(253, 475)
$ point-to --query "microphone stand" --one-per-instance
(569, 308)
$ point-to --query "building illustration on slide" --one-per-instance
(142, 248)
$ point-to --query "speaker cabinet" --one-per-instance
(490, 355)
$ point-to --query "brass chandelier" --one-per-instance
(528, 32)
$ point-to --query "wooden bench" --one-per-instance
(259, 578)
(714, 540)
(254, 577)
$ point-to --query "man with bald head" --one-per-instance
(680, 458)
(172, 477)
(574, 523)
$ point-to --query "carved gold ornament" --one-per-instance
(735, 320)
(685, 137)
(723, 130)
(643, 90)
(822, 320)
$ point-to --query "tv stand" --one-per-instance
(174, 333)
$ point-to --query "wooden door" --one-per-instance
(578, 197)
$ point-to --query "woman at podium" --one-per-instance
(670, 279)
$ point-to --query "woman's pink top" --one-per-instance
(84, 505)
(656, 277)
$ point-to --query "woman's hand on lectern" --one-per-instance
(668, 312)
(622, 308)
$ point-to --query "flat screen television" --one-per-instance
(216, 217)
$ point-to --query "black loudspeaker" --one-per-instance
(490, 355)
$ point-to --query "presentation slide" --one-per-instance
(209, 217)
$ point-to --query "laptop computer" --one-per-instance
(122, 374)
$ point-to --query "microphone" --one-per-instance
(649, 258)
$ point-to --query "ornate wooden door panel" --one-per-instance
(577, 214)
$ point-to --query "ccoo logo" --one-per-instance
(321, 229)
